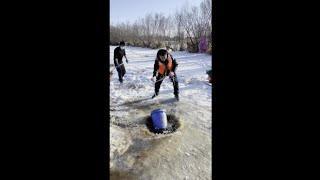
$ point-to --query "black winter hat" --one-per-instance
(122, 43)
(162, 52)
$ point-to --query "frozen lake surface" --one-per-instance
(135, 152)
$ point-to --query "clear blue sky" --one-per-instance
(130, 10)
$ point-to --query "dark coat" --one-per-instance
(118, 53)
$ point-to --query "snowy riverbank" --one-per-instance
(138, 154)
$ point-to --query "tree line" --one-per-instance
(187, 29)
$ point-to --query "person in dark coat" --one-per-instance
(210, 77)
(119, 53)
(165, 65)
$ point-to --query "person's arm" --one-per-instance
(174, 67)
(115, 57)
(156, 65)
(124, 54)
(155, 68)
(175, 64)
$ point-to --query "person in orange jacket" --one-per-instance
(165, 65)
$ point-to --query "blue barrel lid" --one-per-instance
(158, 110)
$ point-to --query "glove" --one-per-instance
(153, 79)
(127, 61)
(171, 74)
(119, 65)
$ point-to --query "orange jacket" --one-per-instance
(163, 68)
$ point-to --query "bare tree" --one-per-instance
(187, 26)
(179, 27)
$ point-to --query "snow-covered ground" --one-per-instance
(137, 153)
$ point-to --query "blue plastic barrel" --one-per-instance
(159, 119)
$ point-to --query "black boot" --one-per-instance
(155, 94)
(177, 97)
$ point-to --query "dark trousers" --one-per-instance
(121, 72)
(174, 81)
